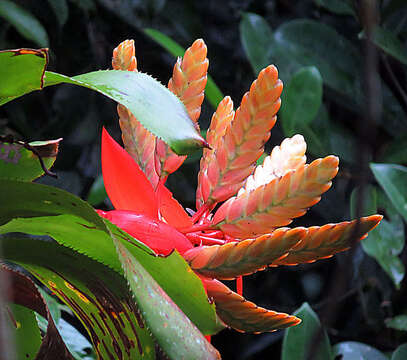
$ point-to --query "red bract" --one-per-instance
(248, 232)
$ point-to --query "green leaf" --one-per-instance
(98, 296)
(212, 91)
(398, 322)
(256, 36)
(390, 44)
(148, 100)
(301, 339)
(340, 7)
(61, 10)
(400, 353)
(301, 100)
(21, 71)
(19, 163)
(393, 179)
(385, 242)
(396, 151)
(174, 332)
(351, 350)
(25, 329)
(97, 193)
(24, 22)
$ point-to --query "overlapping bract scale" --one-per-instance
(275, 204)
(243, 315)
(245, 257)
(137, 140)
(235, 154)
(325, 241)
(188, 83)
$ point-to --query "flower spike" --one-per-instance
(188, 83)
(275, 204)
(234, 156)
(137, 140)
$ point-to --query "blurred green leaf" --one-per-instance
(212, 91)
(61, 10)
(24, 327)
(24, 22)
(301, 100)
(299, 340)
(172, 329)
(21, 71)
(85, 5)
(130, 89)
(340, 7)
(352, 350)
(400, 353)
(398, 322)
(396, 151)
(386, 241)
(97, 193)
(256, 37)
(393, 179)
(19, 163)
(390, 44)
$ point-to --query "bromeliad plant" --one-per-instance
(248, 232)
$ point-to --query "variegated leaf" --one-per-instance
(245, 257)
(188, 83)
(138, 141)
(221, 119)
(275, 204)
(325, 241)
(243, 315)
(234, 156)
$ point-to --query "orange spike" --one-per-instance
(325, 241)
(243, 315)
(275, 204)
(234, 155)
(138, 141)
(245, 257)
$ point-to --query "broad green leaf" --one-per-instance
(390, 44)
(24, 22)
(301, 339)
(398, 322)
(148, 100)
(97, 193)
(400, 353)
(393, 179)
(212, 91)
(19, 163)
(24, 327)
(98, 296)
(340, 7)
(61, 10)
(27, 200)
(174, 332)
(256, 37)
(301, 100)
(351, 350)
(21, 71)
(304, 42)
(385, 242)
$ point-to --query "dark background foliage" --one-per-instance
(351, 292)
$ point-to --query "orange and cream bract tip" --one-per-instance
(247, 232)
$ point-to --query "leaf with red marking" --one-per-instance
(188, 83)
(127, 186)
(137, 140)
(325, 241)
(97, 295)
(234, 156)
(276, 203)
(243, 315)
(245, 257)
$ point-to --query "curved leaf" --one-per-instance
(243, 315)
(352, 350)
(400, 353)
(390, 44)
